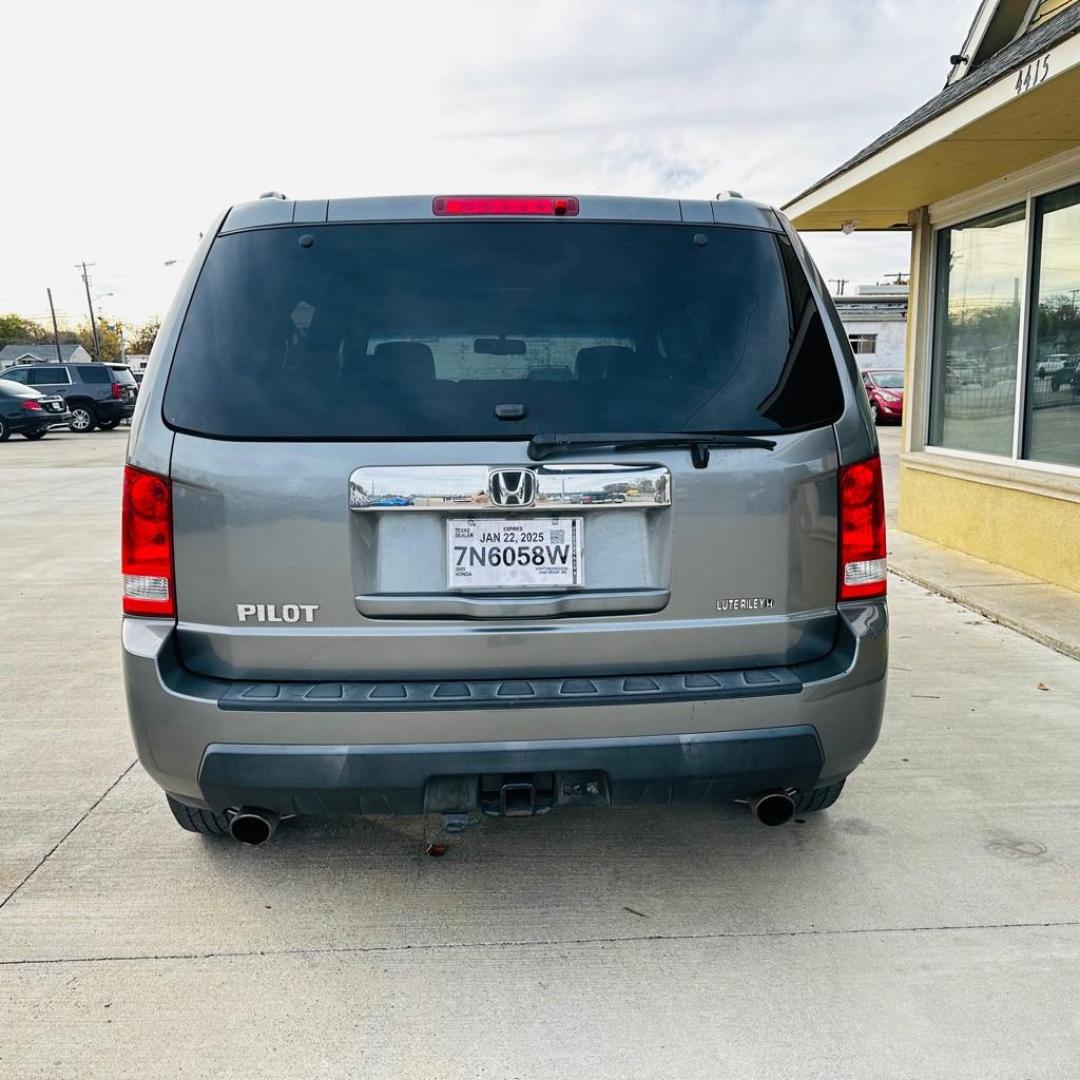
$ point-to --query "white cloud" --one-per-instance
(144, 120)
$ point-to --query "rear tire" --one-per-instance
(819, 799)
(33, 436)
(204, 822)
(83, 419)
(5, 432)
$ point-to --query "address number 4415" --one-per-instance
(1027, 78)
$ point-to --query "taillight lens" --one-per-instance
(516, 205)
(146, 545)
(863, 567)
(116, 390)
(31, 406)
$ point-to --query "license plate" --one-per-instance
(515, 553)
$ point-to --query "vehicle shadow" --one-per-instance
(681, 871)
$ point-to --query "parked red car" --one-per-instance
(885, 389)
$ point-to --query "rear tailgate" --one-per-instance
(343, 394)
(738, 570)
(123, 377)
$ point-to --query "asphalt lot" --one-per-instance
(927, 926)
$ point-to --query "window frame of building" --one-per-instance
(982, 225)
(862, 339)
(1027, 187)
(1067, 200)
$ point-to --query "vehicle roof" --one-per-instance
(733, 210)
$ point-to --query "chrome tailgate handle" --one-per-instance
(469, 489)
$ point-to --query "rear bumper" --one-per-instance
(38, 422)
(405, 747)
(448, 777)
(114, 409)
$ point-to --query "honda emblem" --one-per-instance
(512, 487)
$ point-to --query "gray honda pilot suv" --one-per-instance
(465, 505)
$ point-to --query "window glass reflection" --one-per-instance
(1052, 429)
(979, 276)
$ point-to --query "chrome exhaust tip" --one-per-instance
(253, 826)
(772, 807)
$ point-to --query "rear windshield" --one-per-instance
(11, 388)
(422, 330)
(122, 375)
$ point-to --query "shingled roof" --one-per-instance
(43, 351)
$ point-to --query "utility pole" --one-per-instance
(839, 282)
(55, 329)
(90, 305)
(898, 279)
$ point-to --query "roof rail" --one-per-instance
(271, 195)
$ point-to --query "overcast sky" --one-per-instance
(129, 125)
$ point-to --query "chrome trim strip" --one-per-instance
(466, 489)
(419, 606)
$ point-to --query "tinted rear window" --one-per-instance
(122, 375)
(48, 375)
(420, 330)
(94, 373)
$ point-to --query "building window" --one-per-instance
(980, 272)
(863, 343)
(1052, 413)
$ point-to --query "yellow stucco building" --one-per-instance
(986, 176)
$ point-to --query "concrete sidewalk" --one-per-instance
(1046, 613)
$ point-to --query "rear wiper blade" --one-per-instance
(698, 443)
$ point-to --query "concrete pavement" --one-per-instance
(927, 926)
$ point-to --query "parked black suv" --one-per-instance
(98, 395)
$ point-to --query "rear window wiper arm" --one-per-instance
(698, 443)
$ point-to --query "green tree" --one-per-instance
(140, 339)
(108, 335)
(16, 330)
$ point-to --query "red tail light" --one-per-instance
(116, 390)
(31, 406)
(146, 555)
(517, 205)
(862, 531)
